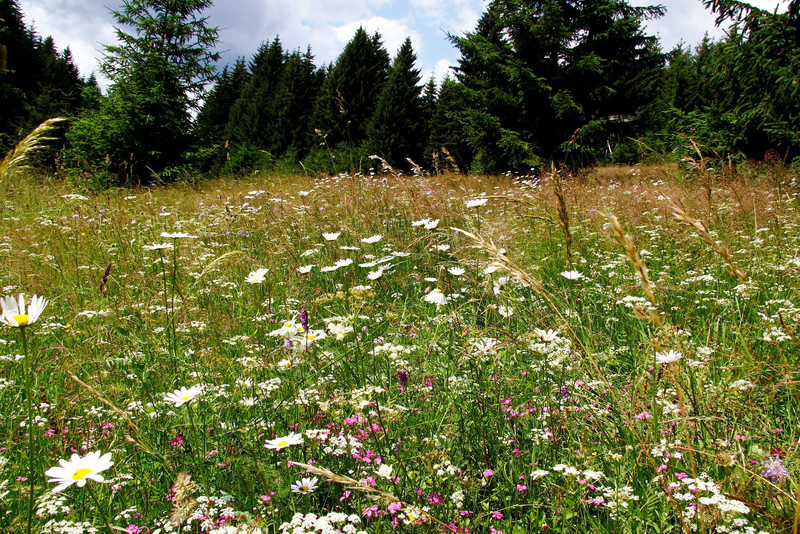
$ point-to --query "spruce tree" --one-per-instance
(158, 70)
(350, 93)
(396, 129)
(555, 78)
(212, 120)
(252, 125)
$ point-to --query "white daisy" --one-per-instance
(668, 357)
(159, 246)
(305, 269)
(436, 297)
(572, 275)
(305, 486)
(283, 442)
(476, 202)
(79, 469)
(331, 236)
(179, 397)
(456, 271)
(257, 277)
(373, 239)
(178, 235)
(14, 312)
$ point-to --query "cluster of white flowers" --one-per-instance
(556, 351)
(332, 523)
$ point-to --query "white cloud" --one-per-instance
(393, 32)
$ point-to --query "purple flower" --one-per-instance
(402, 377)
(773, 469)
(304, 318)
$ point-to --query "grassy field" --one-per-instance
(609, 353)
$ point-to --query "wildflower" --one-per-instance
(436, 297)
(372, 239)
(488, 473)
(305, 269)
(159, 246)
(572, 275)
(668, 357)
(15, 314)
(385, 470)
(331, 236)
(179, 397)
(79, 469)
(773, 469)
(476, 202)
(339, 330)
(305, 486)
(178, 235)
(546, 336)
(402, 377)
(278, 444)
(257, 277)
(456, 271)
(374, 275)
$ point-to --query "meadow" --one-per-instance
(610, 352)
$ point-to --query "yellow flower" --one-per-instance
(79, 469)
(14, 313)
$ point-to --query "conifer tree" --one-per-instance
(140, 132)
(554, 77)
(253, 117)
(395, 131)
(350, 92)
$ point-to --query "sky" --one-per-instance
(327, 25)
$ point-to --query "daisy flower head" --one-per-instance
(178, 235)
(182, 396)
(456, 271)
(281, 443)
(257, 277)
(305, 486)
(668, 357)
(572, 275)
(436, 297)
(79, 469)
(372, 239)
(331, 236)
(476, 202)
(17, 315)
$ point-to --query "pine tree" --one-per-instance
(295, 98)
(350, 92)
(555, 77)
(140, 132)
(212, 120)
(395, 131)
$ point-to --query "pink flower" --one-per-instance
(394, 507)
(488, 473)
(497, 515)
(522, 487)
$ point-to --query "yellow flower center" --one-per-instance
(186, 398)
(304, 488)
(21, 319)
(80, 473)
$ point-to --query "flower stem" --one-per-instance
(100, 509)
(29, 406)
(200, 451)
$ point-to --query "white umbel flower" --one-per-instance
(79, 469)
(17, 315)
